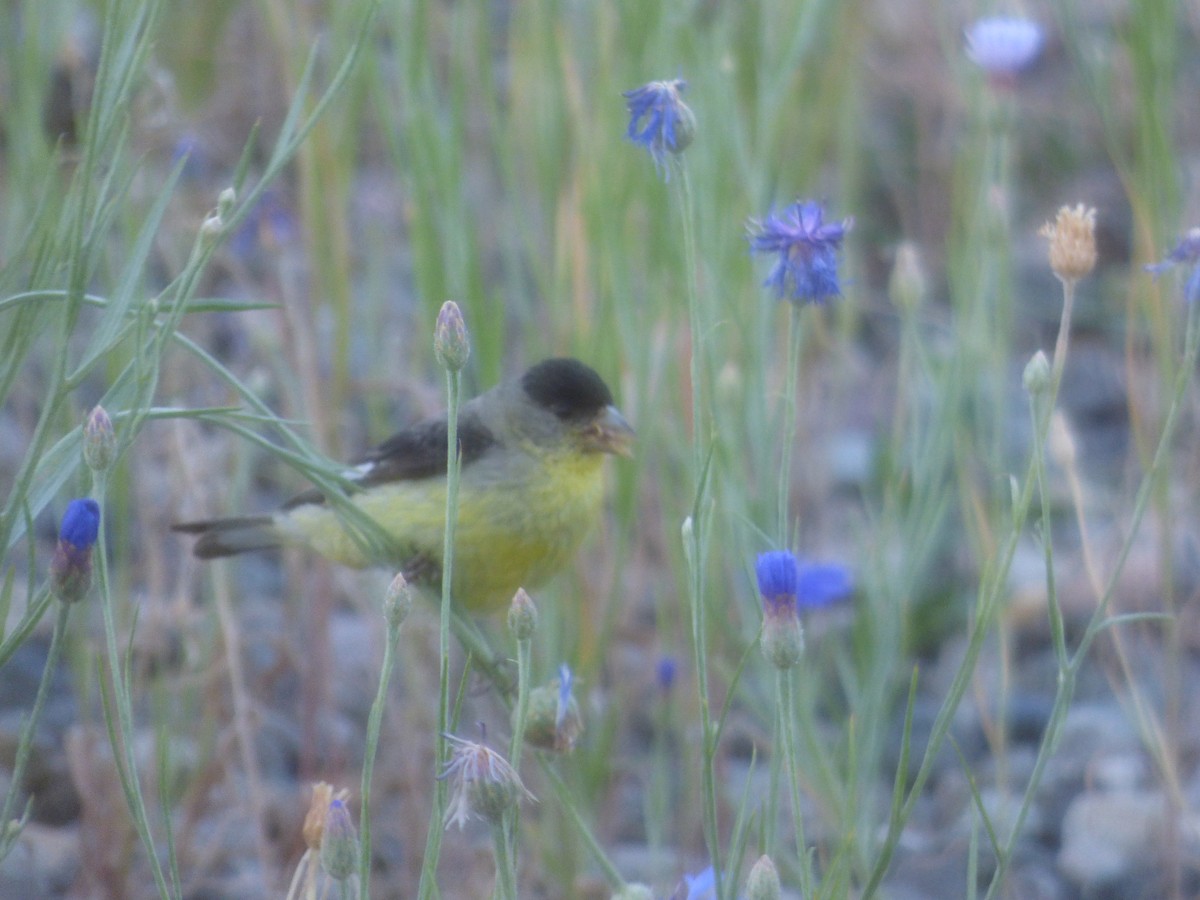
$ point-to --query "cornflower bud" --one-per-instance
(99, 441)
(553, 721)
(71, 568)
(397, 601)
(1072, 240)
(451, 344)
(339, 842)
(763, 883)
(1037, 374)
(522, 616)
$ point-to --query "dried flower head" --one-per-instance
(807, 265)
(318, 808)
(483, 783)
(1004, 46)
(659, 120)
(1072, 238)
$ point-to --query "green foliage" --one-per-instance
(493, 134)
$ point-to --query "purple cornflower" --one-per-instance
(788, 586)
(1186, 253)
(778, 572)
(71, 568)
(807, 248)
(566, 683)
(659, 120)
(1004, 46)
(702, 886)
(665, 673)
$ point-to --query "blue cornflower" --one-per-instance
(566, 682)
(820, 585)
(71, 568)
(666, 672)
(778, 571)
(80, 524)
(807, 248)
(788, 586)
(1186, 253)
(1003, 46)
(702, 886)
(659, 120)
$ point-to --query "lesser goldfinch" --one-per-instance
(531, 484)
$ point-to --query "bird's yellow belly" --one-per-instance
(511, 532)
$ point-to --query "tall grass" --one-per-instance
(470, 152)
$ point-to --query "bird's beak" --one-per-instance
(610, 433)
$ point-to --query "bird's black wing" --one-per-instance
(420, 452)
(414, 453)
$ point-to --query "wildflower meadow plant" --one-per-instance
(1004, 46)
(660, 121)
(1186, 253)
(71, 569)
(807, 247)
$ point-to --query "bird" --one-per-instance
(531, 484)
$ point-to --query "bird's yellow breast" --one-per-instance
(516, 527)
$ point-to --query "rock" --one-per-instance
(43, 863)
(1109, 837)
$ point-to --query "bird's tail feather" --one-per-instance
(228, 537)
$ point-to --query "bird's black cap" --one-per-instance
(567, 388)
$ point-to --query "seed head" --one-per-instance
(1072, 239)
(483, 783)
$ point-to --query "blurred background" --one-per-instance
(476, 152)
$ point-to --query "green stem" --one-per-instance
(122, 736)
(786, 698)
(524, 654)
(433, 844)
(29, 733)
(506, 876)
(374, 723)
(694, 541)
(615, 881)
(791, 376)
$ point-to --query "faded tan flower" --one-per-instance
(1072, 240)
(314, 819)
